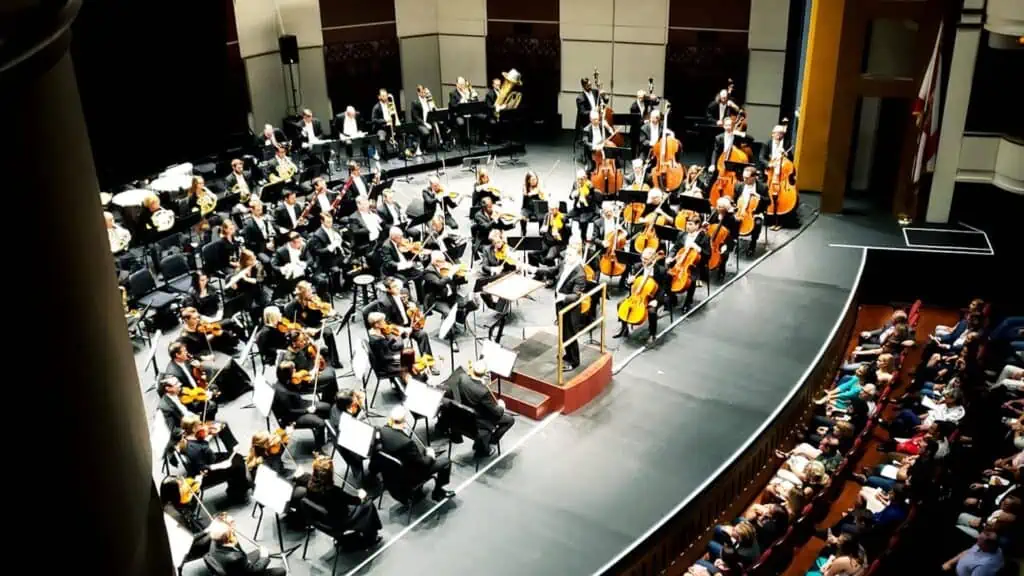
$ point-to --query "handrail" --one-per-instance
(695, 516)
(603, 289)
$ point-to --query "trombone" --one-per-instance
(391, 117)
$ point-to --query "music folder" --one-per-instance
(470, 108)
(525, 243)
(698, 205)
(737, 167)
(630, 196)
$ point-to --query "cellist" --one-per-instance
(723, 144)
(637, 179)
(746, 190)
(594, 137)
(695, 238)
(724, 215)
(649, 267)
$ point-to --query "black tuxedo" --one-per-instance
(379, 122)
(764, 157)
(719, 148)
(700, 271)
(573, 286)
(455, 98)
(385, 354)
(713, 109)
(583, 108)
(361, 232)
(261, 141)
(283, 220)
(482, 226)
(256, 237)
(492, 422)
(291, 409)
(417, 465)
(730, 223)
(233, 179)
(219, 254)
(389, 219)
(659, 274)
(236, 562)
(317, 209)
(388, 306)
(430, 202)
(419, 117)
(317, 130)
(762, 206)
(635, 108)
(442, 294)
(318, 244)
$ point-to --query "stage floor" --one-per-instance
(564, 498)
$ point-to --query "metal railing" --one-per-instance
(585, 297)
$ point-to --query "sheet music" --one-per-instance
(422, 399)
(262, 396)
(499, 360)
(271, 490)
(355, 435)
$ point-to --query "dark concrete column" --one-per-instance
(80, 464)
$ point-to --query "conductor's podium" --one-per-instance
(534, 391)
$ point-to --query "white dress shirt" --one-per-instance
(294, 255)
(290, 209)
(426, 109)
(721, 111)
(401, 307)
(372, 222)
(598, 138)
(325, 204)
(590, 98)
(188, 374)
(360, 185)
(655, 133)
(777, 149)
(559, 297)
(350, 128)
(307, 128)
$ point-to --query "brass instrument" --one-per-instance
(472, 93)
(128, 313)
(508, 99)
(243, 195)
(392, 119)
(283, 172)
(163, 220)
(207, 202)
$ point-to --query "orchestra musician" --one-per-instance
(484, 221)
(173, 410)
(145, 228)
(270, 140)
(585, 202)
(239, 182)
(271, 338)
(311, 130)
(649, 267)
(419, 110)
(116, 235)
(605, 224)
(181, 505)
(640, 105)
(483, 189)
(532, 193)
(282, 164)
(721, 108)
(435, 197)
(569, 288)
(217, 467)
(349, 130)
(268, 449)
(247, 284)
(463, 93)
(723, 143)
(471, 388)
(439, 239)
(554, 235)
(386, 347)
(200, 342)
(355, 185)
(586, 102)
(774, 148)
(491, 98)
(290, 261)
(398, 259)
(229, 556)
(653, 131)
(636, 178)
(349, 515)
(656, 203)
(748, 188)
(496, 260)
(379, 119)
(349, 401)
(182, 364)
(418, 463)
(394, 309)
(221, 256)
(724, 215)
(695, 237)
(441, 282)
(195, 198)
(594, 137)
(322, 199)
(258, 232)
(294, 411)
(310, 312)
(365, 224)
(326, 247)
(203, 298)
(390, 211)
(287, 213)
(692, 185)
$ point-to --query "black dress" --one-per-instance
(347, 512)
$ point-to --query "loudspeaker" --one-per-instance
(289, 47)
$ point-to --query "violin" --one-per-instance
(391, 330)
(312, 351)
(188, 488)
(410, 247)
(285, 326)
(192, 394)
(422, 363)
(302, 377)
(447, 270)
(686, 258)
(417, 319)
(315, 303)
(278, 441)
(210, 328)
(633, 309)
(199, 375)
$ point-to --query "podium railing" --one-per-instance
(586, 296)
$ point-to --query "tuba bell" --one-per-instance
(508, 95)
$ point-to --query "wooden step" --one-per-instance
(529, 403)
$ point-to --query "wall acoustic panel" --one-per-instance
(313, 83)
(586, 19)
(580, 58)
(643, 21)
(421, 64)
(268, 102)
(462, 17)
(634, 64)
(464, 56)
(764, 80)
(717, 15)
(416, 17)
(769, 23)
(257, 25)
(761, 120)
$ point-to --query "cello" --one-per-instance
(718, 235)
(609, 264)
(746, 216)
(727, 178)
(633, 309)
(607, 114)
(686, 258)
(667, 173)
(634, 210)
(782, 194)
(648, 238)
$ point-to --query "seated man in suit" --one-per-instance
(349, 401)
(326, 247)
(291, 409)
(238, 182)
(398, 261)
(441, 288)
(227, 553)
(365, 226)
(270, 140)
(287, 213)
(418, 463)
(395, 311)
(291, 262)
(173, 409)
(485, 220)
(471, 390)
(258, 233)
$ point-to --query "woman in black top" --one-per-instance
(344, 512)
(268, 450)
(202, 297)
(201, 459)
(181, 504)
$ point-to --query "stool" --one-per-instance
(361, 289)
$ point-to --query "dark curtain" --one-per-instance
(357, 65)
(699, 63)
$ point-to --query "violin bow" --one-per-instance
(208, 385)
(316, 365)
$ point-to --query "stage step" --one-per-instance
(524, 401)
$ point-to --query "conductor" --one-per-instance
(570, 285)
(492, 422)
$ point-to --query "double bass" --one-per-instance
(782, 193)
(607, 114)
(633, 309)
(667, 173)
(726, 182)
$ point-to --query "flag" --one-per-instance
(926, 114)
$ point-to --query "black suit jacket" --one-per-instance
(283, 220)
(255, 237)
(764, 156)
(387, 305)
(232, 179)
(281, 257)
(435, 287)
(761, 190)
(731, 224)
(713, 111)
(660, 274)
(583, 106)
(413, 457)
(385, 353)
(261, 141)
(719, 147)
(317, 130)
(173, 369)
(491, 99)
(288, 405)
(235, 562)
(389, 259)
(417, 112)
(483, 224)
(473, 394)
(378, 117)
(454, 98)
(172, 416)
(387, 218)
(430, 202)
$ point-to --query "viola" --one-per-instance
(391, 330)
(188, 488)
(278, 442)
(199, 375)
(312, 350)
(417, 319)
(686, 258)
(302, 377)
(633, 309)
(315, 303)
(192, 394)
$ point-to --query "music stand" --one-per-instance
(436, 118)
(629, 196)
(510, 117)
(355, 436)
(737, 167)
(500, 361)
(693, 204)
(627, 258)
(616, 153)
(378, 189)
(447, 330)
(402, 133)
(509, 287)
(272, 491)
(525, 243)
(422, 401)
(471, 110)
(272, 193)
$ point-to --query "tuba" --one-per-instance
(508, 97)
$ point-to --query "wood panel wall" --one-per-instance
(361, 52)
(525, 35)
